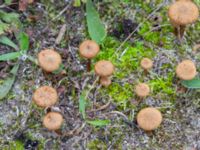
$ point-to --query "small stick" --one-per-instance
(100, 108)
(88, 65)
(61, 34)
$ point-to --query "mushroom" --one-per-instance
(53, 120)
(49, 60)
(104, 69)
(142, 90)
(186, 70)
(45, 96)
(149, 118)
(146, 63)
(88, 49)
(105, 81)
(182, 13)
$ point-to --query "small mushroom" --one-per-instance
(142, 90)
(88, 49)
(45, 96)
(49, 60)
(146, 63)
(149, 118)
(186, 70)
(104, 69)
(182, 13)
(105, 81)
(53, 120)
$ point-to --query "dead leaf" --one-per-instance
(23, 4)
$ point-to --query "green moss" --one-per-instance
(96, 145)
(121, 94)
(161, 85)
(16, 145)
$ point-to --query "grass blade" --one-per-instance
(82, 105)
(9, 56)
(95, 27)
(23, 41)
(7, 84)
(6, 41)
(98, 123)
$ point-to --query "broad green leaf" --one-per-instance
(82, 105)
(192, 84)
(6, 41)
(23, 41)
(98, 122)
(95, 27)
(9, 56)
(7, 84)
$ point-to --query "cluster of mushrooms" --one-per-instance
(181, 13)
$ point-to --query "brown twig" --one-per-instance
(100, 108)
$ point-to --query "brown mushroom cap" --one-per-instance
(105, 81)
(146, 63)
(53, 120)
(88, 49)
(149, 118)
(45, 96)
(49, 60)
(142, 90)
(104, 68)
(186, 70)
(183, 12)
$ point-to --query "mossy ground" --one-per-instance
(20, 120)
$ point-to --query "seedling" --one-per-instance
(20, 51)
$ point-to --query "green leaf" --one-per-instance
(23, 41)
(6, 41)
(82, 105)
(3, 27)
(9, 17)
(8, 2)
(9, 56)
(98, 122)
(7, 84)
(95, 27)
(192, 84)
(77, 3)
(15, 69)
(59, 70)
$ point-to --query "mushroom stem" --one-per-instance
(88, 65)
(179, 32)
